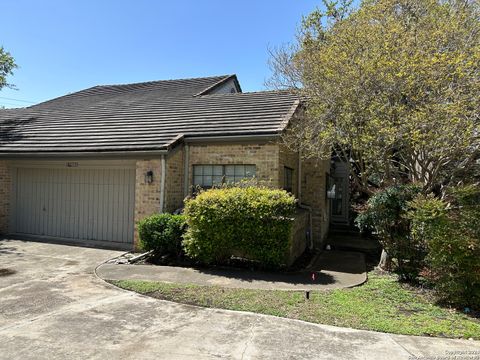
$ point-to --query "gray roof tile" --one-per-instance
(143, 116)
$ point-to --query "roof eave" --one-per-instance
(82, 154)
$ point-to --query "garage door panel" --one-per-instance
(73, 203)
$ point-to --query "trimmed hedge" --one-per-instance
(251, 222)
(162, 233)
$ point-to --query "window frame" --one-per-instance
(225, 174)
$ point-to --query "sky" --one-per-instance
(65, 46)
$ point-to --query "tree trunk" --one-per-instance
(385, 261)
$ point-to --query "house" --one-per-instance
(85, 167)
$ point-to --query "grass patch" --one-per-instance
(381, 304)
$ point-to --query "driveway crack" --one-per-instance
(250, 337)
(399, 344)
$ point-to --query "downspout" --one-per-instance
(300, 205)
(162, 183)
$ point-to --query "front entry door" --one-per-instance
(339, 207)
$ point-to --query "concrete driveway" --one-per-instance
(52, 306)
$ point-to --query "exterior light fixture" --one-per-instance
(149, 177)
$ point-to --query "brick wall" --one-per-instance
(5, 190)
(147, 196)
(313, 187)
(174, 180)
(298, 238)
(269, 159)
(289, 159)
(264, 156)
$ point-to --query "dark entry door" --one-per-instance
(339, 207)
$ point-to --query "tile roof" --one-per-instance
(141, 117)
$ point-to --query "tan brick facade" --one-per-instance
(147, 196)
(313, 187)
(263, 156)
(269, 159)
(313, 181)
(288, 159)
(5, 190)
(174, 192)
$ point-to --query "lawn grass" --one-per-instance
(381, 304)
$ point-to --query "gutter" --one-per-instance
(230, 138)
(80, 154)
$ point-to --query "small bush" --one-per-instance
(162, 233)
(452, 232)
(251, 222)
(385, 215)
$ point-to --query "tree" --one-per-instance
(7, 65)
(392, 86)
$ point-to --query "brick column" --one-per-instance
(5, 190)
(314, 195)
(147, 196)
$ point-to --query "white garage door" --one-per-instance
(86, 204)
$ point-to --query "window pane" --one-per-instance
(209, 175)
(239, 171)
(218, 170)
(250, 170)
(207, 180)
(229, 170)
(207, 170)
(217, 180)
(197, 180)
(197, 169)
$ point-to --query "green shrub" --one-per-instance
(251, 222)
(162, 233)
(452, 232)
(385, 215)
